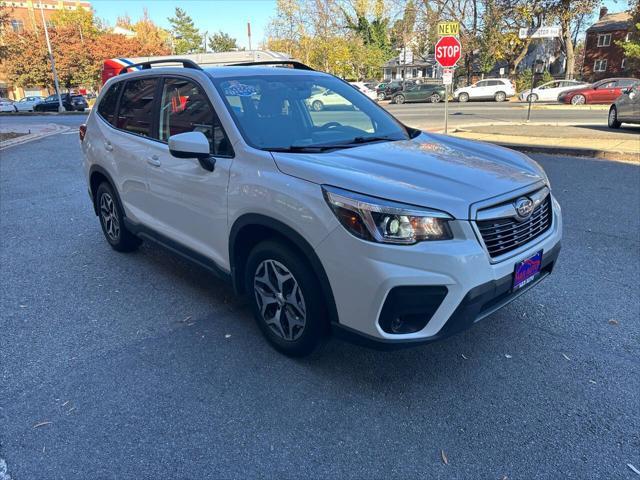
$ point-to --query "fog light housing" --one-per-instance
(408, 309)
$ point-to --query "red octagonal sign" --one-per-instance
(448, 51)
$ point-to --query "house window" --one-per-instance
(604, 40)
(600, 66)
(17, 26)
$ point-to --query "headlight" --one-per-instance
(383, 221)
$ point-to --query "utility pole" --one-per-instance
(53, 62)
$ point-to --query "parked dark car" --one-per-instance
(393, 87)
(626, 108)
(69, 102)
(419, 93)
(604, 91)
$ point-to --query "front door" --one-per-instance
(189, 202)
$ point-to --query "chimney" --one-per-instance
(603, 12)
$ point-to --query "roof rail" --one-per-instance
(147, 65)
(294, 63)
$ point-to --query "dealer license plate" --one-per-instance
(527, 270)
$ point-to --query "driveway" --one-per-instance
(144, 366)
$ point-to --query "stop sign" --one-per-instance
(448, 51)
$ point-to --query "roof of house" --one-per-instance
(612, 22)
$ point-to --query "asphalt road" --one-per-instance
(148, 367)
(421, 115)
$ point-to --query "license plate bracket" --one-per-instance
(527, 270)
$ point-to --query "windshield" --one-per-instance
(280, 112)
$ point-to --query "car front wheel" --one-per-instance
(399, 99)
(613, 118)
(435, 98)
(381, 96)
(578, 100)
(533, 98)
(286, 299)
(463, 97)
(317, 105)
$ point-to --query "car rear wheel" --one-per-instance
(112, 221)
(500, 97)
(532, 97)
(578, 100)
(463, 97)
(399, 99)
(435, 98)
(381, 96)
(613, 118)
(286, 299)
(317, 105)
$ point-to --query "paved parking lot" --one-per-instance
(144, 366)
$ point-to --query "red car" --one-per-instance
(604, 91)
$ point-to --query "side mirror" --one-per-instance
(192, 145)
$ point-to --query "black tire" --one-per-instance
(381, 96)
(435, 98)
(532, 97)
(612, 119)
(112, 220)
(270, 256)
(463, 97)
(317, 106)
(500, 97)
(399, 99)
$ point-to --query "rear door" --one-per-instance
(189, 203)
(481, 90)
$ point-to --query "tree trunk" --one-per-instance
(565, 23)
(521, 55)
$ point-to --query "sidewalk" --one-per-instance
(27, 133)
(596, 141)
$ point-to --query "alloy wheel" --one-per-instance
(109, 217)
(578, 100)
(435, 98)
(400, 99)
(280, 300)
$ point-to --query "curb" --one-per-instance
(573, 152)
(42, 114)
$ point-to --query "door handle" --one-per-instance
(153, 160)
(108, 147)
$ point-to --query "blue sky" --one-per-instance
(230, 16)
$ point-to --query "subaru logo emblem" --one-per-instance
(524, 207)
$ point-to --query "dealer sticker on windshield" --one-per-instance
(527, 270)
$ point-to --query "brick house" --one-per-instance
(603, 57)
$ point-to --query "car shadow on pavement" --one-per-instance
(633, 130)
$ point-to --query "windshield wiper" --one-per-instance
(306, 148)
(359, 140)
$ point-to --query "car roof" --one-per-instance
(250, 71)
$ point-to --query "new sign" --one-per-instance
(448, 51)
(446, 29)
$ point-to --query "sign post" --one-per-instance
(448, 52)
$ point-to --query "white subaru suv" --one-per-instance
(339, 220)
(498, 89)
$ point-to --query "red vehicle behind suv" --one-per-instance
(604, 91)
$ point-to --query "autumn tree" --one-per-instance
(186, 37)
(632, 47)
(153, 40)
(222, 42)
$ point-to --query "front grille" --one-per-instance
(503, 235)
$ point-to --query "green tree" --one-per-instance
(222, 42)
(632, 47)
(186, 37)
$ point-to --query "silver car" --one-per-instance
(626, 108)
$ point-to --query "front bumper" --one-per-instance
(362, 274)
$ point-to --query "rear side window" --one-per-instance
(136, 106)
(185, 108)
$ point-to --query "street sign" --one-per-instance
(542, 32)
(447, 76)
(446, 29)
(448, 51)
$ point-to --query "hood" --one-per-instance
(434, 171)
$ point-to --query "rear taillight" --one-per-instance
(82, 131)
